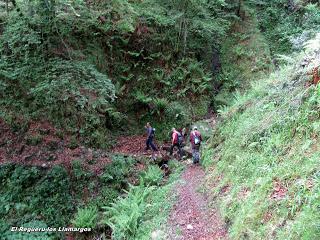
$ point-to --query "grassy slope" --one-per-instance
(264, 159)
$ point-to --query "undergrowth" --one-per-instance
(144, 208)
(34, 196)
(265, 156)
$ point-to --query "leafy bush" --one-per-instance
(177, 112)
(125, 214)
(69, 92)
(281, 24)
(107, 195)
(33, 140)
(152, 176)
(159, 107)
(117, 172)
(144, 207)
(78, 172)
(86, 218)
(55, 204)
(29, 194)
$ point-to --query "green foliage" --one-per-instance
(46, 235)
(245, 57)
(78, 172)
(47, 85)
(160, 106)
(58, 59)
(282, 23)
(265, 146)
(73, 144)
(86, 218)
(29, 194)
(34, 140)
(117, 172)
(55, 188)
(124, 215)
(107, 194)
(144, 208)
(152, 176)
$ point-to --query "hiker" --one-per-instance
(176, 141)
(150, 136)
(184, 135)
(195, 140)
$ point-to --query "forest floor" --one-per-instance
(192, 217)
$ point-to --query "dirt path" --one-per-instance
(191, 217)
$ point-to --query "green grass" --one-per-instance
(267, 136)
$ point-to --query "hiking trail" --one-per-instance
(192, 217)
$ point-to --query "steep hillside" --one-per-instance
(96, 68)
(263, 159)
(245, 57)
(80, 79)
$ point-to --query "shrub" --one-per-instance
(159, 107)
(106, 196)
(34, 140)
(117, 172)
(153, 176)
(125, 214)
(177, 112)
(78, 172)
(73, 144)
(86, 218)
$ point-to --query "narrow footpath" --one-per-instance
(191, 216)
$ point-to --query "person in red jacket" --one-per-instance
(176, 140)
(195, 140)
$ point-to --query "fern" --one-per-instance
(125, 214)
(86, 218)
(153, 176)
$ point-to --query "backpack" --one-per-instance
(153, 132)
(180, 138)
(196, 139)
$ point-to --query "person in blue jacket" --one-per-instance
(150, 136)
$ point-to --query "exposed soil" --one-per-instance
(41, 145)
(191, 216)
(279, 190)
(135, 146)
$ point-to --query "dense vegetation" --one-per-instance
(89, 66)
(265, 156)
(100, 69)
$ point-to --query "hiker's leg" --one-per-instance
(196, 155)
(193, 155)
(148, 144)
(171, 149)
(154, 148)
(180, 150)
